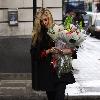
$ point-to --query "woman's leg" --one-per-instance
(60, 91)
(50, 95)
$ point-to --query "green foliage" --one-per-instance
(67, 22)
(80, 25)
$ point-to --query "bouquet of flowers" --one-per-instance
(65, 39)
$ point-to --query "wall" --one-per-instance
(25, 15)
(55, 6)
(15, 41)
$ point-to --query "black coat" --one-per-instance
(43, 75)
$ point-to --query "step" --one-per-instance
(40, 97)
(15, 76)
(15, 87)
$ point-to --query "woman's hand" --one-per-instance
(67, 51)
(55, 50)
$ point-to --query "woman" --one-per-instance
(44, 76)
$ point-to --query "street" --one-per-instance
(87, 69)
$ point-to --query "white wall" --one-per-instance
(23, 28)
(55, 6)
(25, 16)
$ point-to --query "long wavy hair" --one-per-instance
(36, 34)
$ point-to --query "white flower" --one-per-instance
(72, 38)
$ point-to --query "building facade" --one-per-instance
(25, 15)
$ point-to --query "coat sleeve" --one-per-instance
(33, 52)
(37, 52)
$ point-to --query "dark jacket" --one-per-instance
(44, 77)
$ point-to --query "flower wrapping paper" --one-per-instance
(65, 39)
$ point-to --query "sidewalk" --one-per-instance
(17, 86)
(21, 90)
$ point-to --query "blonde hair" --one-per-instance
(36, 34)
